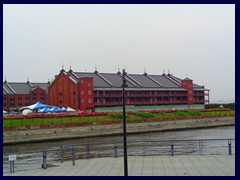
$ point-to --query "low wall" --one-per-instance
(54, 134)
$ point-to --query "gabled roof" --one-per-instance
(164, 81)
(194, 85)
(7, 89)
(43, 86)
(144, 80)
(114, 80)
(97, 81)
(22, 88)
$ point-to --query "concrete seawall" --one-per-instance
(54, 134)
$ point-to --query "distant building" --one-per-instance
(19, 94)
(84, 90)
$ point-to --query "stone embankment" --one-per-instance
(54, 134)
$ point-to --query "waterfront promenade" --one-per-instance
(179, 165)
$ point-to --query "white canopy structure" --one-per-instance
(26, 112)
(35, 106)
(5, 113)
(68, 109)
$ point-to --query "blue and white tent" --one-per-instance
(36, 106)
(55, 109)
(68, 109)
(44, 110)
(63, 109)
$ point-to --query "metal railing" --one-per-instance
(46, 158)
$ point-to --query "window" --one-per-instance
(73, 92)
(82, 100)
(19, 104)
(82, 81)
(190, 98)
(60, 93)
(60, 101)
(190, 85)
(89, 91)
(82, 92)
(190, 92)
(89, 100)
(89, 84)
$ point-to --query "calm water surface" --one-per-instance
(211, 133)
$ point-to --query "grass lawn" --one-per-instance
(137, 116)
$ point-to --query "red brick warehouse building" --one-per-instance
(18, 94)
(86, 90)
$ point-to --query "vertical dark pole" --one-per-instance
(115, 150)
(172, 150)
(13, 166)
(61, 154)
(73, 156)
(10, 166)
(124, 126)
(229, 147)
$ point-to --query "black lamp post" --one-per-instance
(124, 125)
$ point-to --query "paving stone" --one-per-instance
(178, 165)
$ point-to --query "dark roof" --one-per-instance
(114, 80)
(187, 79)
(7, 89)
(194, 85)
(43, 86)
(97, 81)
(21, 88)
(144, 80)
(164, 81)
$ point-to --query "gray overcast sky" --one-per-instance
(198, 40)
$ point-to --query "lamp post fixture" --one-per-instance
(124, 124)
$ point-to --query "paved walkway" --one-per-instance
(180, 165)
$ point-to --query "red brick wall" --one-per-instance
(86, 93)
(63, 92)
(188, 85)
(38, 94)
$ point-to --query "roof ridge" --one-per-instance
(73, 73)
(104, 79)
(134, 80)
(5, 89)
(129, 80)
(172, 80)
(72, 79)
(154, 80)
(85, 72)
(110, 73)
(10, 88)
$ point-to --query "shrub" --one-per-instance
(117, 116)
(144, 114)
